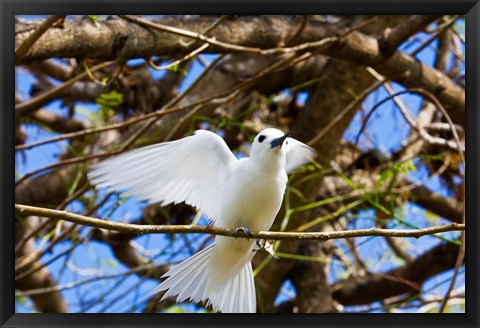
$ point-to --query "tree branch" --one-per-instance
(356, 47)
(271, 235)
(58, 123)
(73, 284)
(401, 280)
(33, 104)
(392, 38)
(32, 38)
(446, 207)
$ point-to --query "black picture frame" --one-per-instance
(10, 8)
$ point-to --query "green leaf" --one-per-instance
(411, 166)
(110, 263)
(175, 309)
(404, 168)
(108, 102)
(21, 299)
(432, 217)
(113, 99)
(94, 18)
(177, 69)
(352, 93)
(384, 176)
(396, 260)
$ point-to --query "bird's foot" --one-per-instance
(244, 231)
(265, 245)
(260, 244)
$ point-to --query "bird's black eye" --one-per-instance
(261, 138)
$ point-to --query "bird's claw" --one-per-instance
(260, 246)
(267, 247)
(244, 230)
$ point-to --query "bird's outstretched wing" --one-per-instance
(190, 170)
(298, 154)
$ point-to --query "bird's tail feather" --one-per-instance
(236, 295)
(189, 279)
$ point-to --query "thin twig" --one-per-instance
(179, 61)
(439, 31)
(458, 145)
(69, 161)
(213, 26)
(351, 106)
(298, 31)
(26, 210)
(39, 255)
(406, 114)
(114, 126)
(33, 233)
(32, 104)
(74, 284)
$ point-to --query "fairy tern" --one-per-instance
(243, 194)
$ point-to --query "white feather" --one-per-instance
(190, 170)
(193, 265)
(189, 279)
(298, 154)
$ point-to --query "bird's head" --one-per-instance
(269, 143)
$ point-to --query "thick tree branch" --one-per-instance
(52, 303)
(98, 42)
(357, 47)
(58, 123)
(392, 38)
(41, 278)
(446, 207)
(126, 253)
(405, 279)
(52, 69)
(49, 188)
(271, 235)
(33, 37)
(313, 294)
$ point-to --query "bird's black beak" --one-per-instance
(279, 141)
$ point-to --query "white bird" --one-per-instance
(201, 171)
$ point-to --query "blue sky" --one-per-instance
(387, 129)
